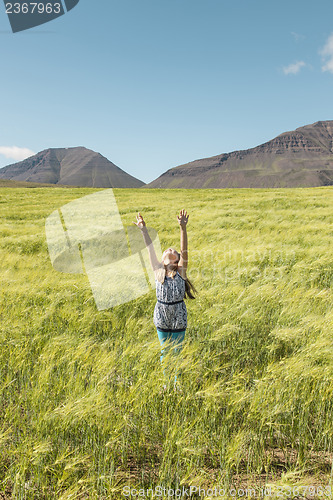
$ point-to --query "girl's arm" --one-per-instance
(182, 265)
(155, 264)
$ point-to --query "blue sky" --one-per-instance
(152, 84)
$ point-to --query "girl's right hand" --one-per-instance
(140, 222)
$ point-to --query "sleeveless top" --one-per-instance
(170, 313)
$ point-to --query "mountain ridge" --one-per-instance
(299, 158)
(76, 166)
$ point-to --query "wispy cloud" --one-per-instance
(297, 36)
(327, 54)
(15, 153)
(293, 68)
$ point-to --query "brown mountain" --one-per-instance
(22, 184)
(77, 166)
(301, 158)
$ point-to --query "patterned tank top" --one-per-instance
(170, 313)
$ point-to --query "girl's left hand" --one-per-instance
(183, 218)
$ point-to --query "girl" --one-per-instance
(172, 286)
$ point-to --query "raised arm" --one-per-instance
(155, 264)
(182, 265)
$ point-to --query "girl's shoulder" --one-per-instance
(182, 272)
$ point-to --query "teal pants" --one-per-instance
(176, 339)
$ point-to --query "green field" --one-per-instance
(82, 415)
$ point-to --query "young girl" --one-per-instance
(172, 286)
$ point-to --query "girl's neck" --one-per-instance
(171, 271)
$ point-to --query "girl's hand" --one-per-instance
(140, 222)
(182, 218)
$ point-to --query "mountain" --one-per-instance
(300, 158)
(22, 184)
(77, 166)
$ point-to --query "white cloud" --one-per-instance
(294, 68)
(297, 36)
(327, 54)
(15, 153)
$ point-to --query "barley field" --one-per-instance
(82, 411)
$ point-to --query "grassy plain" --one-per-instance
(82, 415)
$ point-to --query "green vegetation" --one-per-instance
(82, 412)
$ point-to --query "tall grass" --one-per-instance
(82, 412)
